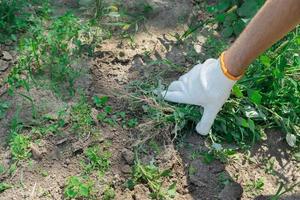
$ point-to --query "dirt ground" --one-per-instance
(116, 63)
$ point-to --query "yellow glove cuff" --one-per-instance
(225, 70)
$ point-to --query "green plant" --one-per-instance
(126, 20)
(82, 120)
(255, 186)
(106, 114)
(153, 178)
(77, 188)
(97, 160)
(283, 190)
(49, 51)
(109, 193)
(4, 186)
(20, 147)
(12, 18)
(233, 15)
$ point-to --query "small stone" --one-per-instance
(36, 153)
(6, 56)
(62, 141)
(126, 169)
(128, 156)
(3, 65)
(231, 191)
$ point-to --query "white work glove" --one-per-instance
(204, 85)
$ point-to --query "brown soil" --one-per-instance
(115, 64)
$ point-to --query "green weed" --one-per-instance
(234, 15)
(109, 193)
(283, 190)
(81, 118)
(255, 186)
(49, 51)
(106, 114)
(153, 178)
(4, 186)
(96, 160)
(77, 188)
(20, 147)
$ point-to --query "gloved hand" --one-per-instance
(204, 85)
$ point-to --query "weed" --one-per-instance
(109, 193)
(49, 52)
(154, 178)
(234, 15)
(76, 188)
(12, 18)
(282, 190)
(82, 120)
(20, 147)
(4, 186)
(97, 160)
(255, 186)
(106, 114)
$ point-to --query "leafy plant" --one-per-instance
(109, 193)
(233, 15)
(97, 160)
(81, 117)
(282, 190)
(255, 186)
(4, 186)
(49, 51)
(76, 188)
(20, 147)
(153, 178)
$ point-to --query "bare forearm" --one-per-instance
(275, 19)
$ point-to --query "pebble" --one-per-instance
(3, 65)
(128, 156)
(6, 56)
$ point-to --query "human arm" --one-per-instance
(209, 84)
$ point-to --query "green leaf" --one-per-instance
(254, 96)
(237, 91)
(248, 8)
(4, 186)
(227, 31)
(172, 190)
(251, 125)
(130, 184)
(243, 122)
(223, 5)
(265, 60)
(84, 190)
(238, 27)
(100, 101)
(166, 173)
(221, 17)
